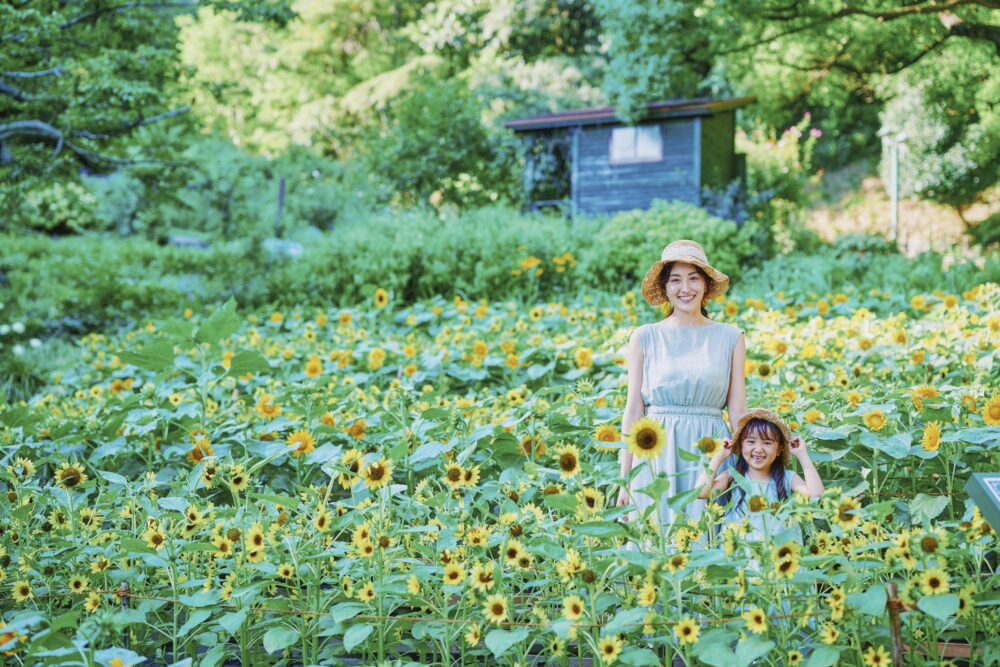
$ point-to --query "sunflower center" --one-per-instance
(567, 461)
(646, 439)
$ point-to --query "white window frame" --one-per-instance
(635, 144)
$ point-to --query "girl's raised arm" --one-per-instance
(812, 485)
(718, 483)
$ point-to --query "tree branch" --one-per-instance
(118, 8)
(32, 75)
(33, 128)
(11, 91)
(87, 134)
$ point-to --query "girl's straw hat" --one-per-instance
(768, 416)
(690, 253)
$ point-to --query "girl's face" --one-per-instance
(686, 288)
(760, 451)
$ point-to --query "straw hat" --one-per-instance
(768, 416)
(682, 251)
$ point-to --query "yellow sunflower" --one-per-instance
(934, 581)
(569, 460)
(21, 591)
(991, 411)
(381, 298)
(377, 474)
(572, 607)
(303, 442)
(609, 648)
(647, 438)
(495, 609)
(686, 630)
(931, 438)
(875, 420)
(756, 620)
(70, 476)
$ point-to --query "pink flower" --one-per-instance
(815, 133)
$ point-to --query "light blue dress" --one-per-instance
(763, 525)
(685, 386)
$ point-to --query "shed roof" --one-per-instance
(701, 106)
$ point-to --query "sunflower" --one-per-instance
(876, 657)
(454, 475)
(155, 537)
(609, 648)
(512, 552)
(757, 504)
(70, 476)
(647, 438)
(847, 514)
(934, 581)
(286, 571)
(78, 584)
(302, 441)
(647, 594)
(223, 547)
(676, 563)
(367, 592)
(708, 446)
(572, 607)
(795, 658)
(931, 438)
(322, 520)
(590, 500)
(381, 298)
(606, 433)
(255, 537)
(830, 634)
(238, 480)
(991, 411)
(267, 408)
(686, 630)
(470, 476)
(569, 460)
(473, 634)
(93, 602)
(314, 367)
(21, 591)
(377, 474)
(495, 609)
(875, 420)
(413, 585)
(454, 574)
(482, 576)
(352, 460)
(756, 620)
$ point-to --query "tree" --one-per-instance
(78, 80)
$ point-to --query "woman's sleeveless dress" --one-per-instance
(685, 385)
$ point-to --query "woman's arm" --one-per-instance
(736, 402)
(634, 406)
(812, 486)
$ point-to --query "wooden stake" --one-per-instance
(894, 605)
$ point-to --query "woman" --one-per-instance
(682, 371)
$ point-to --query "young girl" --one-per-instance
(762, 443)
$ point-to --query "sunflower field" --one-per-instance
(434, 483)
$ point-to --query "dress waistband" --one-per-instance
(685, 410)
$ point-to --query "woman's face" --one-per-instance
(760, 451)
(686, 288)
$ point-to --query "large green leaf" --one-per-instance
(223, 323)
(871, 602)
(356, 634)
(939, 606)
(248, 361)
(927, 507)
(500, 641)
(752, 648)
(279, 638)
(823, 656)
(155, 356)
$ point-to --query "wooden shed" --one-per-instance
(591, 162)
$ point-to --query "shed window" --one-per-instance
(642, 143)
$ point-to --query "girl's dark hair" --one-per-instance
(665, 277)
(762, 429)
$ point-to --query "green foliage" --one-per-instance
(630, 241)
(62, 207)
(78, 80)
(946, 108)
(437, 149)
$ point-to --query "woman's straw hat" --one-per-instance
(682, 251)
(768, 416)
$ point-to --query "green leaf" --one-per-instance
(751, 648)
(939, 606)
(871, 602)
(194, 620)
(279, 638)
(200, 599)
(560, 501)
(232, 621)
(897, 446)
(713, 648)
(155, 356)
(603, 529)
(499, 641)
(214, 656)
(344, 610)
(624, 621)
(639, 657)
(656, 488)
(248, 361)
(925, 507)
(823, 656)
(113, 477)
(356, 634)
(223, 323)
(428, 450)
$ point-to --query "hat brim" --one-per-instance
(652, 287)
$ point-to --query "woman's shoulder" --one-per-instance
(729, 329)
